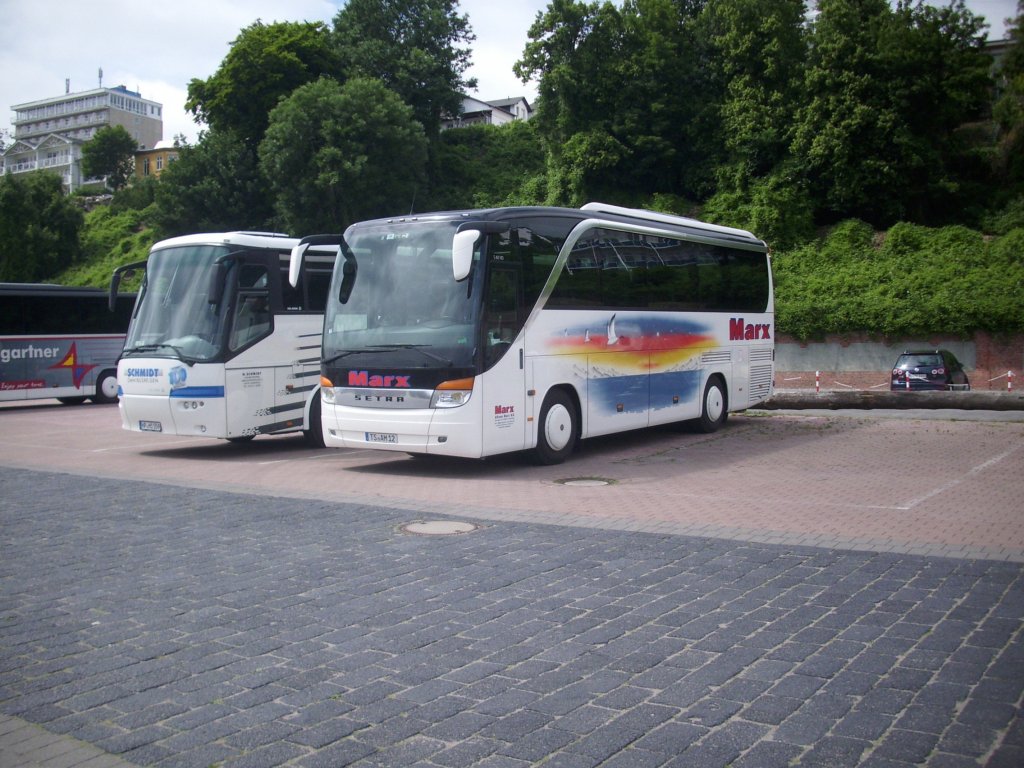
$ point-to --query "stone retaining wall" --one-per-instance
(861, 362)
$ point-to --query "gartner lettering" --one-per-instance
(740, 331)
(30, 352)
(364, 379)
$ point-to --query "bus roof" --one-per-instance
(600, 211)
(244, 239)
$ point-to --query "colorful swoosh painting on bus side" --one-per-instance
(657, 343)
(637, 362)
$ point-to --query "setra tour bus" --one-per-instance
(473, 333)
(221, 344)
(60, 342)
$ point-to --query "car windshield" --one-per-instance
(919, 361)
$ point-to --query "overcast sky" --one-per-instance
(157, 48)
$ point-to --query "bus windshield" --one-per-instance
(176, 317)
(405, 299)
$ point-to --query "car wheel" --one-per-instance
(714, 406)
(559, 429)
(106, 388)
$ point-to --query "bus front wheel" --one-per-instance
(559, 429)
(106, 388)
(714, 407)
(314, 433)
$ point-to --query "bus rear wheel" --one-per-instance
(106, 388)
(714, 408)
(559, 429)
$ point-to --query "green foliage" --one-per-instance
(266, 62)
(482, 166)
(777, 208)
(39, 227)
(415, 47)
(915, 282)
(110, 154)
(215, 186)
(110, 238)
(335, 154)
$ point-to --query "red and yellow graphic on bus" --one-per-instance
(644, 344)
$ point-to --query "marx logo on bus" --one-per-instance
(740, 331)
(364, 379)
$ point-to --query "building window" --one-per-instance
(159, 162)
(145, 167)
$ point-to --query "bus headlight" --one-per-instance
(452, 394)
(326, 390)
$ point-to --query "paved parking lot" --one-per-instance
(797, 589)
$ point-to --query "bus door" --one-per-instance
(249, 373)
(504, 384)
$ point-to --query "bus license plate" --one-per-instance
(381, 437)
(151, 426)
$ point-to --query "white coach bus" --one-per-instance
(473, 333)
(221, 344)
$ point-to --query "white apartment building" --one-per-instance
(48, 134)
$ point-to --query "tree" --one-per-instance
(214, 186)
(886, 90)
(1009, 109)
(758, 49)
(110, 154)
(415, 47)
(334, 154)
(39, 227)
(266, 62)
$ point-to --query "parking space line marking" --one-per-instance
(958, 480)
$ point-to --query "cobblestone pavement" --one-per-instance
(176, 626)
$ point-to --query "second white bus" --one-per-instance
(473, 333)
(220, 344)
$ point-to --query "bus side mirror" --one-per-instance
(218, 277)
(127, 270)
(348, 279)
(295, 263)
(462, 252)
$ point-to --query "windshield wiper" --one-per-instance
(154, 347)
(419, 348)
(347, 352)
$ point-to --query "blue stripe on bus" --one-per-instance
(198, 392)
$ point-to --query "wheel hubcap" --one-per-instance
(558, 427)
(714, 404)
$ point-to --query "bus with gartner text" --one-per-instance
(60, 342)
(474, 333)
(221, 344)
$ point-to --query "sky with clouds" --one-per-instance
(157, 48)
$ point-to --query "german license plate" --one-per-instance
(381, 437)
(151, 426)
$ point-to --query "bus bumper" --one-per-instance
(433, 431)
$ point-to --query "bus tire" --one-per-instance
(106, 388)
(714, 409)
(315, 433)
(559, 429)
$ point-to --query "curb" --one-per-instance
(865, 400)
